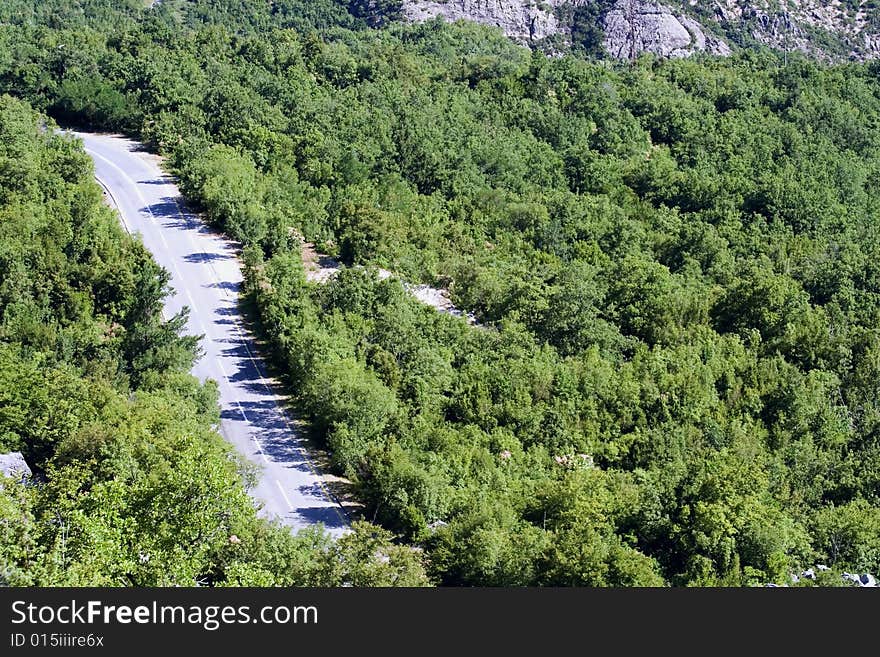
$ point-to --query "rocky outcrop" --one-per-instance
(632, 27)
(830, 30)
(12, 464)
(519, 19)
(675, 28)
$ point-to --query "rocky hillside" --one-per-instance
(623, 28)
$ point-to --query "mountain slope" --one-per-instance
(625, 28)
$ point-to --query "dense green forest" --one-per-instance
(675, 265)
(134, 486)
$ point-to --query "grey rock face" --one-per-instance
(830, 30)
(678, 28)
(635, 26)
(519, 19)
(12, 464)
(631, 26)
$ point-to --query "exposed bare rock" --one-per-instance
(676, 28)
(631, 26)
(320, 268)
(832, 30)
(635, 26)
(13, 465)
(519, 19)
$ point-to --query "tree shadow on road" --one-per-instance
(205, 257)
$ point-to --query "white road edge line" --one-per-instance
(224, 247)
(283, 494)
(339, 509)
(252, 434)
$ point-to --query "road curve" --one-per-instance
(206, 275)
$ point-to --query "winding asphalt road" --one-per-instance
(206, 275)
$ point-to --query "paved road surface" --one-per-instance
(206, 274)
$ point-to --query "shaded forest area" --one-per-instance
(676, 263)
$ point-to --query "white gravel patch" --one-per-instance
(430, 296)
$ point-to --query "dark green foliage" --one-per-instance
(377, 13)
(586, 27)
